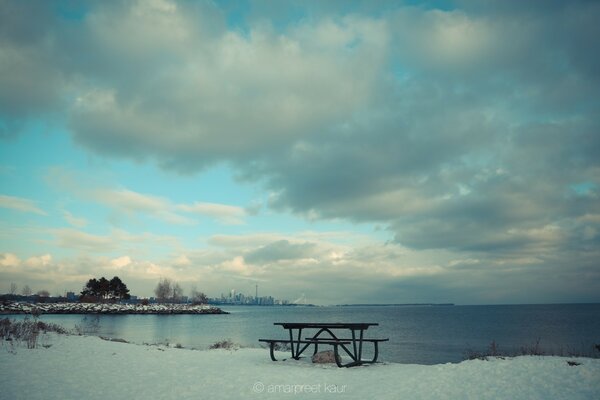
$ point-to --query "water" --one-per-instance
(418, 334)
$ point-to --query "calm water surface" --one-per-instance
(418, 334)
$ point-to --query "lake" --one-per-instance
(418, 334)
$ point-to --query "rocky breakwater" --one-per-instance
(106, 308)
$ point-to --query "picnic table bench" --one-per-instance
(352, 346)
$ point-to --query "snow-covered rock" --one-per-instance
(105, 308)
(324, 357)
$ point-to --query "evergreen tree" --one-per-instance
(118, 290)
(103, 289)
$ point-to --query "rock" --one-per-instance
(82, 308)
(324, 357)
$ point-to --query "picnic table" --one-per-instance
(333, 335)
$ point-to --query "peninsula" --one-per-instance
(106, 308)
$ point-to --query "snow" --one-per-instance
(106, 308)
(70, 367)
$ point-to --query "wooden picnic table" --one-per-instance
(352, 346)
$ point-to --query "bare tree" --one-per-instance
(13, 288)
(26, 290)
(43, 293)
(197, 296)
(176, 293)
(163, 290)
(167, 290)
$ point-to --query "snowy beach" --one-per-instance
(68, 367)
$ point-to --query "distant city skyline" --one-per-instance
(353, 152)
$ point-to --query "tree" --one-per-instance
(176, 293)
(13, 288)
(117, 289)
(26, 290)
(43, 293)
(103, 289)
(198, 297)
(163, 290)
(91, 289)
(167, 290)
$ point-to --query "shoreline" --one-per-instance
(105, 308)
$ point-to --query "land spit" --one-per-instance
(106, 308)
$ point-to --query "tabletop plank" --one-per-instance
(328, 325)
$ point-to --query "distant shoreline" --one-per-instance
(397, 305)
(106, 308)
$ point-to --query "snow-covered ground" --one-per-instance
(86, 367)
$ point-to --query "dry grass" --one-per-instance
(533, 349)
(90, 325)
(26, 331)
(224, 344)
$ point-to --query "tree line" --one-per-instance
(168, 291)
(26, 291)
(102, 289)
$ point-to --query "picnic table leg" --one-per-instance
(354, 345)
(376, 351)
(296, 353)
(375, 354)
(360, 344)
(271, 349)
(336, 355)
(292, 343)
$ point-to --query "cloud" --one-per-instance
(220, 86)
(9, 260)
(131, 204)
(78, 222)
(285, 265)
(460, 130)
(226, 214)
(20, 204)
(280, 250)
(115, 241)
(32, 82)
(120, 262)
(74, 239)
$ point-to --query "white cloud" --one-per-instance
(77, 222)
(120, 262)
(128, 203)
(38, 262)
(75, 239)
(230, 215)
(132, 203)
(9, 260)
(20, 204)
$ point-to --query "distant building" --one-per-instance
(236, 298)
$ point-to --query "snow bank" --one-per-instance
(91, 368)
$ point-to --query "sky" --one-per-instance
(344, 151)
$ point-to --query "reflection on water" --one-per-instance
(418, 334)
